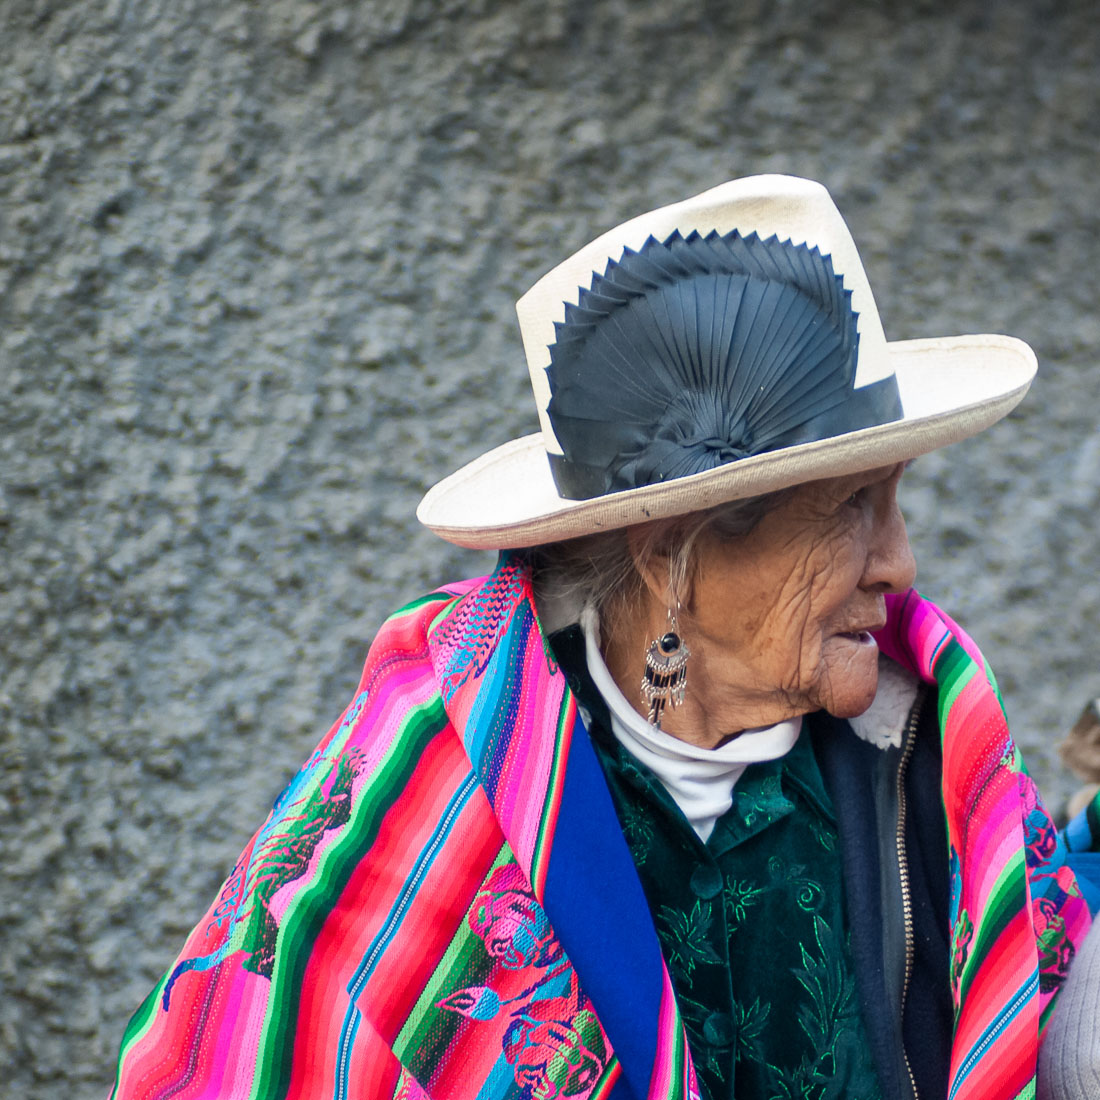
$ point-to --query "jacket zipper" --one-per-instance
(903, 869)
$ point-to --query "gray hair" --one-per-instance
(601, 571)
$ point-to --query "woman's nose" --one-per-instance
(890, 565)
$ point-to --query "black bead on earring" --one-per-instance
(665, 677)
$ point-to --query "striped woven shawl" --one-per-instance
(441, 904)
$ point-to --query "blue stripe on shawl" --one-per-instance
(596, 906)
(1082, 839)
(1086, 866)
(491, 716)
(1011, 1010)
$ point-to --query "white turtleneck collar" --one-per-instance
(700, 780)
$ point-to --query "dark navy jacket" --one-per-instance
(893, 846)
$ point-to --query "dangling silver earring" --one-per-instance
(665, 675)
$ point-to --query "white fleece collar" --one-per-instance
(883, 722)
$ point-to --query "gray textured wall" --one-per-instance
(257, 267)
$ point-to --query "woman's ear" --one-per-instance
(651, 566)
(658, 562)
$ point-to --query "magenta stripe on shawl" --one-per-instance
(225, 1047)
(913, 635)
(996, 846)
(672, 1063)
(916, 631)
(247, 1002)
(384, 715)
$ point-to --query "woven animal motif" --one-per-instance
(316, 801)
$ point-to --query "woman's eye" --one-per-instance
(855, 499)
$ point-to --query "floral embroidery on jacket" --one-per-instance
(829, 1019)
(688, 938)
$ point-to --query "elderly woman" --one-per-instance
(694, 795)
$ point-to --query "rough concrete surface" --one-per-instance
(257, 273)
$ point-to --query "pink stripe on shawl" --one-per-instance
(994, 842)
(219, 1066)
(912, 633)
(384, 717)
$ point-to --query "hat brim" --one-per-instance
(951, 388)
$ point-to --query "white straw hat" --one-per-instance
(677, 277)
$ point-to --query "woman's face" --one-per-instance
(779, 621)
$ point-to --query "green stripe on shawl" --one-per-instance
(954, 670)
(1006, 901)
(310, 907)
(679, 1055)
(439, 596)
(608, 1079)
(139, 1024)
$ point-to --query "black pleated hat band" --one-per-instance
(694, 352)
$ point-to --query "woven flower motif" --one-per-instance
(555, 1053)
(960, 949)
(511, 923)
(1056, 949)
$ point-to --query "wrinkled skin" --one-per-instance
(779, 620)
